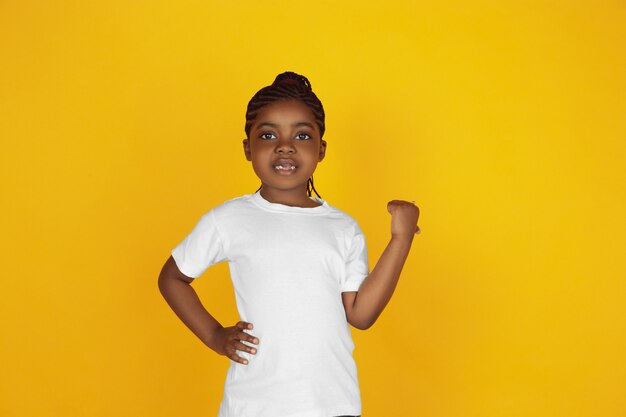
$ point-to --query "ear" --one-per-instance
(246, 149)
(322, 153)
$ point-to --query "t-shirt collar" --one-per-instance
(268, 205)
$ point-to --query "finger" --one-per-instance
(237, 358)
(243, 347)
(247, 337)
(417, 230)
(251, 339)
(244, 325)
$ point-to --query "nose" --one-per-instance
(285, 146)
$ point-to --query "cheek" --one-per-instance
(257, 165)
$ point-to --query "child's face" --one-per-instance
(274, 136)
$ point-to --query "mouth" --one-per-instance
(284, 169)
(285, 166)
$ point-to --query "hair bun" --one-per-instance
(291, 78)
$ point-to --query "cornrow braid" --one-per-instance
(287, 86)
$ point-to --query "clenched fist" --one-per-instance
(404, 215)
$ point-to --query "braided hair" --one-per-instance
(287, 86)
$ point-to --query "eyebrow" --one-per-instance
(297, 124)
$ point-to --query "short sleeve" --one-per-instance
(356, 267)
(201, 248)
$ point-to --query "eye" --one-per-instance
(262, 135)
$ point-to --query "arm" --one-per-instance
(365, 306)
(181, 297)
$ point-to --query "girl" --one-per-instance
(299, 268)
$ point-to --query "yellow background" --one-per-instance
(121, 124)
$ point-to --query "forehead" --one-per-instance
(285, 113)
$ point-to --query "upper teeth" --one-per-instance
(285, 166)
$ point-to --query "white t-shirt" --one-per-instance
(289, 266)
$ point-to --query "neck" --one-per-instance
(294, 198)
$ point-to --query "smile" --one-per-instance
(284, 169)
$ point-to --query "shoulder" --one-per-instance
(347, 221)
(229, 206)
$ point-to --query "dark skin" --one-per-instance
(302, 143)
(182, 298)
(294, 134)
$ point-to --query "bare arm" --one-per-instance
(182, 298)
(365, 306)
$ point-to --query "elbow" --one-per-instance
(360, 320)
(367, 325)
(361, 324)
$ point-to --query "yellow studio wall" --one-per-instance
(121, 124)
